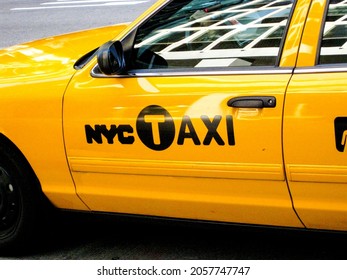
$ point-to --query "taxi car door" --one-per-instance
(315, 122)
(194, 128)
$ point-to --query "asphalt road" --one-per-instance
(27, 20)
(74, 236)
(83, 237)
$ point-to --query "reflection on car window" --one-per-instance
(220, 33)
(334, 41)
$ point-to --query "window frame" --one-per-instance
(202, 70)
(128, 41)
(320, 41)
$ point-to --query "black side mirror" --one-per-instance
(110, 58)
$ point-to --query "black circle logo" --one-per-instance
(155, 128)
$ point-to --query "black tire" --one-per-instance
(20, 203)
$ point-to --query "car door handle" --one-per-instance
(253, 102)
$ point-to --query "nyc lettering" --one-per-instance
(156, 130)
(122, 131)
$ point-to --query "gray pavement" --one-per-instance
(27, 20)
(83, 237)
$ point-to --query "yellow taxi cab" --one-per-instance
(229, 111)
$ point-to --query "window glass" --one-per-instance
(219, 33)
(334, 41)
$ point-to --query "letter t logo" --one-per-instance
(340, 133)
(155, 120)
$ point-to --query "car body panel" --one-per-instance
(315, 104)
(107, 175)
(318, 180)
(35, 76)
(294, 34)
(312, 33)
(216, 179)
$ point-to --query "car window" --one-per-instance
(220, 33)
(334, 38)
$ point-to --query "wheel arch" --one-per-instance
(25, 210)
(7, 146)
(60, 196)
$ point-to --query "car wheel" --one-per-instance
(20, 206)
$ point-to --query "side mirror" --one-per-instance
(110, 58)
